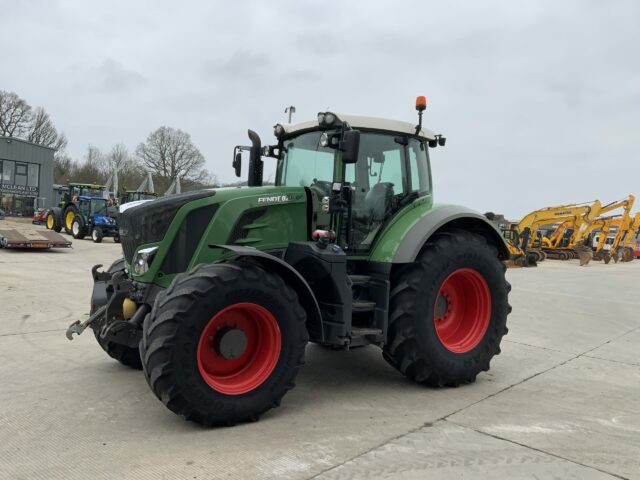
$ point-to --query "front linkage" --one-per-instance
(112, 291)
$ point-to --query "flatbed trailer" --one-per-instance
(28, 236)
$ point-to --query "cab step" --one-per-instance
(359, 279)
(363, 306)
(362, 332)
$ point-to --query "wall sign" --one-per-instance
(10, 189)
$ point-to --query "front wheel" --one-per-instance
(224, 343)
(77, 228)
(97, 234)
(448, 311)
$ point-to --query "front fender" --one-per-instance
(296, 281)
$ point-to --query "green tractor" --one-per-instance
(137, 195)
(62, 216)
(220, 290)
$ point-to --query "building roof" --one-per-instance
(6, 139)
(368, 123)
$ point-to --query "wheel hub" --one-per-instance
(230, 343)
(442, 305)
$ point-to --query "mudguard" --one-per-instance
(454, 216)
(296, 281)
(412, 235)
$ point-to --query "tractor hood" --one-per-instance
(186, 227)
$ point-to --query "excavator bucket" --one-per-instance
(585, 254)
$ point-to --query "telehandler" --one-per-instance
(221, 289)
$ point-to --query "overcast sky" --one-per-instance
(539, 101)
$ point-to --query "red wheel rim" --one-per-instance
(462, 310)
(245, 369)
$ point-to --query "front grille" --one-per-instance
(184, 244)
(148, 223)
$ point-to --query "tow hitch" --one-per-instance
(78, 327)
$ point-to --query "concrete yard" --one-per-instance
(561, 401)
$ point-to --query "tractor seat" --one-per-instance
(378, 201)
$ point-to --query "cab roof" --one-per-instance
(368, 123)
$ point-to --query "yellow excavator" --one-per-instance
(625, 230)
(634, 231)
(603, 225)
(623, 224)
(578, 215)
(517, 256)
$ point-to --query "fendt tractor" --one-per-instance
(220, 290)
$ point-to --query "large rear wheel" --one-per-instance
(448, 311)
(69, 215)
(54, 219)
(224, 343)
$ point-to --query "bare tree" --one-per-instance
(42, 131)
(130, 172)
(169, 153)
(15, 115)
(90, 171)
(64, 169)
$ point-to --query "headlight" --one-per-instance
(143, 260)
(328, 120)
(324, 140)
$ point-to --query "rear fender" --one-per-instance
(296, 281)
(443, 219)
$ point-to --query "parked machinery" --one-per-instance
(531, 240)
(92, 218)
(62, 216)
(220, 290)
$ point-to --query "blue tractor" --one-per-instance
(94, 218)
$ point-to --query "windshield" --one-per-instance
(99, 207)
(305, 161)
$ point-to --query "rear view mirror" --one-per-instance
(237, 161)
(350, 146)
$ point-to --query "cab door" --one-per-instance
(391, 171)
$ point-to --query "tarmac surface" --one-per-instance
(561, 401)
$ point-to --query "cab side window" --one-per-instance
(419, 167)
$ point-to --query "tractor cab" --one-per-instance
(84, 190)
(135, 196)
(88, 206)
(359, 171)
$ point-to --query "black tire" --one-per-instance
(414, 346)
(78, 230)
(125, 355)
(55, 214)
(116, 238)
(70, 208)
(184, 313)
(97, 234)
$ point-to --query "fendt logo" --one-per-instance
(274, 199)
